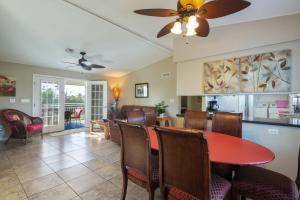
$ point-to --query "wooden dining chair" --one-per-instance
(136, 117)
(184, 167)
(137, 162)
(263, 184)
(229, 124)
(195, 120)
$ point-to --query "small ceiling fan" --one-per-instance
(193, 15)
(84, 63)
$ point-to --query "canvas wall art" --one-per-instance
(7, 86)
(221, 76)
(267, 72)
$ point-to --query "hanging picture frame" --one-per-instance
(142, 90)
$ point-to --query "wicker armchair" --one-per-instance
(20, 125)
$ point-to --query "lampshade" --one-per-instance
(177, 28)
(192, 23)
(191, 32)
(116, 92)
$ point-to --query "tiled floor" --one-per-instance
(64, 166)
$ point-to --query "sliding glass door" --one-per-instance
(48, 102)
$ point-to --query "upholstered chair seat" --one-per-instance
(263, 184)
(220, 187)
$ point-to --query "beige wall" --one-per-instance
(24, 78)
(160, 89)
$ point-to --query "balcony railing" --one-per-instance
(75, 106)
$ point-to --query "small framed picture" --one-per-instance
(142, 90)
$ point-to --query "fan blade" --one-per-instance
(203, 28)
(157, 12)
(97, 66)
(166, 30)
(70, 63)
(221, 8)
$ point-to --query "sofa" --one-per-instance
(150, 119)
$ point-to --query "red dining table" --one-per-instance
(228, 149)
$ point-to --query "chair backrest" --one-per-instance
(135, 148)
(184, 162)
(228, 123)
(136, 117)
(298, 174)
(195, 120)
(12, 115)
(77, 113)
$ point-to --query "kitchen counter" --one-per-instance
(291, 122)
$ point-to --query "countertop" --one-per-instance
(291, 122)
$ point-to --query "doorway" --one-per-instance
(75, 104)
(54, 96)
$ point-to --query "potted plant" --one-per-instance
(161, 108)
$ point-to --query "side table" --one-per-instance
(164, 121)
(102, 124)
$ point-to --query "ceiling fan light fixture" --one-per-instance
(177, 29)
(191, 32)
(192, 22)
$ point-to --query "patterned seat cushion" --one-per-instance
(219, 189)
(262, 184)
(141, 178)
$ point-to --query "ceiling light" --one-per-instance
(192, 23)
(191, 32)
(177, 28)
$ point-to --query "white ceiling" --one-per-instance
(37, 32)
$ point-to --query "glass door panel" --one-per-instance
(97, 99)
(48, 102)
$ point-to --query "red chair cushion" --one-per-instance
(34, 127)
(219, 189)
(259, 183)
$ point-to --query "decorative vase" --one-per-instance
(162, 114)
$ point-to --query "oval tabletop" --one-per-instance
(228, 149)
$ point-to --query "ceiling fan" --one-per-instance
(84, 63)
(193, 15)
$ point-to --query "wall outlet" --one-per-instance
(273, 131)
(12, 100)
(172, 100)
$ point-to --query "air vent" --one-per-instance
(166, 75)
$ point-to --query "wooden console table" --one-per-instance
(103, 125)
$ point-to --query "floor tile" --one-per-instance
(60, 192)
(41, 184)
(85, 182)
(104, 191)
(96, 163)
(109, 171)
(33, 173)
(15, 192)
(73, 172)
(63, 164)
